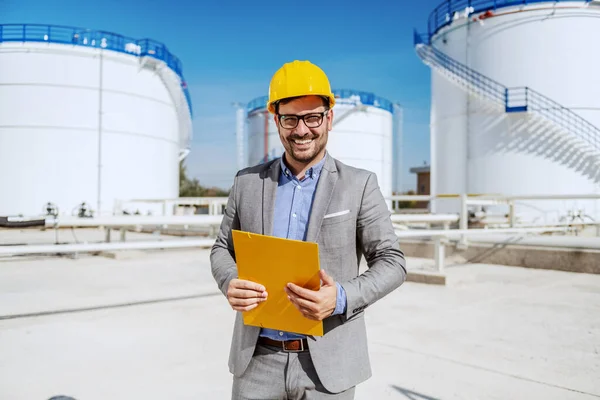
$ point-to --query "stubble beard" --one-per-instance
(305, 157)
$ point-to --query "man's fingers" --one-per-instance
(248, 285)
(309, 314)
(304, 304)
(245, 308)
(244, 302)
(304, 311)
(315, 310)
(311, 311)
(327, 280)
(246, 294)
(302, 292)
(242, 289)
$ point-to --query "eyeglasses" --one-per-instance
(312, 120)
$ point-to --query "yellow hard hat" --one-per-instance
(298, 78)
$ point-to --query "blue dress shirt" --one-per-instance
(293, 203)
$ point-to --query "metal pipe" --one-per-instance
(199, 243)
(266, 136)
(183, 154)
(440, 254)
(95, 247)
(178, 200)
(472, 198)
(397, 139)
(424, 218)
(215, 220)
(409, 197)
(538, 197)
(449, 233)
(200, 220)
(100, 111)
(490, 199)
(133, 220)
(239, 136)
(464, 212)
(511, 213)
(464, 218)
(8, 222)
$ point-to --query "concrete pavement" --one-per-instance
(153, 326)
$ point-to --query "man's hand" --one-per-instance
(315, 305)
(245, 295)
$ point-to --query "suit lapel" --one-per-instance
(323, 195)
(270, 183)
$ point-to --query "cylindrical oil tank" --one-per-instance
(364, 134)
(87, 116)
(478, 148)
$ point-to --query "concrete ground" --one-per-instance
(152, 325)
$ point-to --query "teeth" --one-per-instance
(303, 141)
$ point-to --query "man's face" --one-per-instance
(304, 140)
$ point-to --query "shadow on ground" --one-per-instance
(409, 394)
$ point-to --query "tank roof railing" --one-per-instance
(364, 98)
(95, 39)
(450, 10)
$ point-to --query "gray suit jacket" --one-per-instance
(340, 356)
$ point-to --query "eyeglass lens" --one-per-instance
(311, 120)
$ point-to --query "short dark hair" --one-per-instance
(290, 99)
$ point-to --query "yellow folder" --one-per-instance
(274, 262)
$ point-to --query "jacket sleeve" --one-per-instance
(222, 256)
(381, 248)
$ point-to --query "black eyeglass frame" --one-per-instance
(301, 117)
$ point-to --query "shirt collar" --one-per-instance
(313, 172)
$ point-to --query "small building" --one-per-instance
(423, 180)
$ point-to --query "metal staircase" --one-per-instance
(584, 135)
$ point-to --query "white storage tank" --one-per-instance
(486, 145)
(366, 134)
(88, 116)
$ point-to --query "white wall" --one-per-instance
(364, 140)
(49, 129)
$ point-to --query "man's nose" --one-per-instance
(302, 129)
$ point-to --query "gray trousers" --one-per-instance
(274, 374)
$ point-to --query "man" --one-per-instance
(308, 195)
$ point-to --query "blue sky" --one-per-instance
(230, 50)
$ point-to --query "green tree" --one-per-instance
(192, 187)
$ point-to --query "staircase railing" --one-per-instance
(515, 99)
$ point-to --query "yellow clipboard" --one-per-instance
(274, 262)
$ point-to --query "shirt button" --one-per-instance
(294, 215)
(280, 333)
(299, 187)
